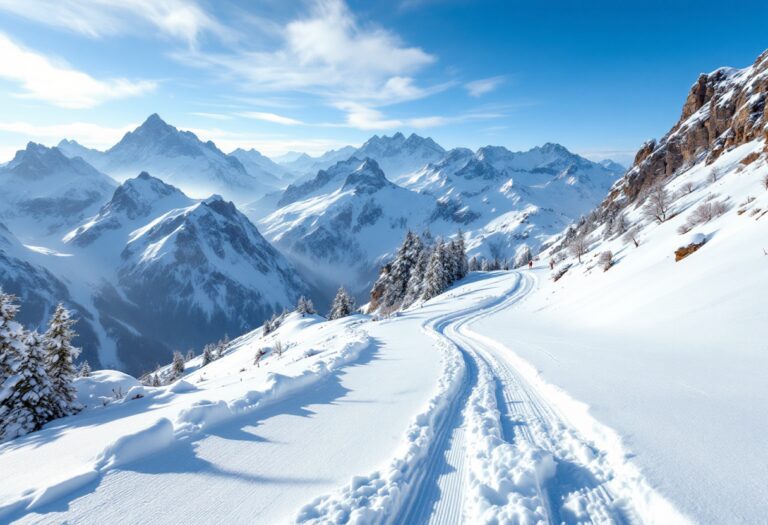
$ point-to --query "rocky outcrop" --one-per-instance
(725, 108)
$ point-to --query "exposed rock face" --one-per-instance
(724, 108)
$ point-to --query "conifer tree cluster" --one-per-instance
(305, 306)
(421, 269)
(36, 371)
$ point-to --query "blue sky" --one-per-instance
(598, 77)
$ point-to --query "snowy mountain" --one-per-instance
(22, 274)
(399, 156)
(302, 165)
(43, 192)
(170, 270)
(505, 202)
(337, 225)
(177, 157)
(263, 168)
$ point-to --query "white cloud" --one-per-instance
(270, 117)
(364, 117)
(327, 53)
(179, 19)
(58, 84)
(86, 133)
(480, 87)
(214, 116)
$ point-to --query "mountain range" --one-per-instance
(138, 241)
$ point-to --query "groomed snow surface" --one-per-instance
(412, 419)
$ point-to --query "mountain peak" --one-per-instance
(367, 178)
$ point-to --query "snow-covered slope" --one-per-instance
(399, 156)
(179, 158)
(166, 270)
(43, 192)
(665, 350)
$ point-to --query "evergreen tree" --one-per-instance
(207, 354)
(460, 254)
(485, 266)
(27, 399)
(221, 346)
(85, 369)
(343, 305)
(436, 279)
(474, 264)
(416, 282)
(156, 380)
(177, 366)
(190, 355)
(305, 306)
(11, 335)
(59, 359)
(401, 269)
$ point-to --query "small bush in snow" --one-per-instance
(278, 348)
(765, 182)
(714, 175)
(257, 358)
(687, 188)
(605, 260)
(658, 204)
(703, 213)
(560, 272)
(633, 236)
(579, 246)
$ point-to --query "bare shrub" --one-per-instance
(579, 246)
(714, 175)
(687, 188)
(658, 204)
(560, 272)
(684, 228)
(706, 211)
(605, 260)
(632, 236)
(278, 348)
(260, 353)
(765, 182)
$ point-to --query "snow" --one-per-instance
(663, 352)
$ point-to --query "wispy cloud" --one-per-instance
(367, 118)
(214, 116)
(328, 53)
(270, 117)
(478, 88)
(178, 19)
(86, 133)
(269, 145)
(40, 78)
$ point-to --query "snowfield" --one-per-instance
(411, 419)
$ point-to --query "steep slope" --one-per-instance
(43, 192)
(39, 291)
(399, 156)
(179, 158)
(678, 304)
(168, 270)
(72, 149)
(340, 223)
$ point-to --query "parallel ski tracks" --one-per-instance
(438, 497)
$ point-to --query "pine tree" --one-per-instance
(85, 369)
(436, 279)
(11, 335)
(343, 305)
(156, 380)
(190, 355)
(59, 359)
(177, 366)
(416, 282)
(400, 271)
(305, 306)
(27, 399)
(207, 354)
(485, 266)
(474, 264)
(460, 254)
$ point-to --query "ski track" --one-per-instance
(582, 475)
